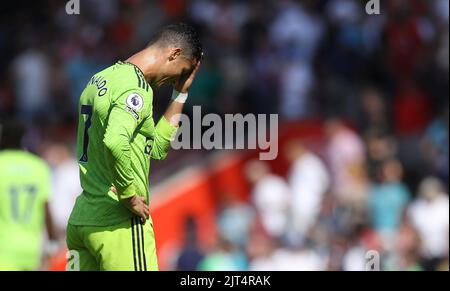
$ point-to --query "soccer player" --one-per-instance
(110, 227)
(24, 211)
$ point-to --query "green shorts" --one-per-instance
(128, 246)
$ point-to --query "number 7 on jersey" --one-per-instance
(86, 110)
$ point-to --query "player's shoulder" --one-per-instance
(34, 160)
(128, 77)
(131, 90)
(24, 158)
(11, 154)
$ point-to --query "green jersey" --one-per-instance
(24, 190)
(117, 137)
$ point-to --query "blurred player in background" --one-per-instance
(24, 211)
(110, 227)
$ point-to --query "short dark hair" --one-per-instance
(11, 134)
(181, 35)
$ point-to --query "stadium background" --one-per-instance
(368, 95)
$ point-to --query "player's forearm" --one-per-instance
(165, 130)
(117, 142)
(120, 152)
(173, 113)
(50, 226)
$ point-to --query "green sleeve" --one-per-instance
(162, 135)
(124, 117)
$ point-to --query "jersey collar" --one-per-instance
(136, 67)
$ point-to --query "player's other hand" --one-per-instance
(136, 204)
(185, 81)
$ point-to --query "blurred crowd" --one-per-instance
(347, 207)
(379, 83)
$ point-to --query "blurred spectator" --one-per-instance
(407, 251)
(191, 255)
(353, 259)
(304, 259)
(296, 32)
(380, 148)
(346, 155)
(343, 11)
(308, 180)
(429, 214)
(271, 196)
(32, 71)
(267, 256)
(224, 258)
(411, 109)
(297, 81)
(65, 182)
(387, 202)
(264, 79)
(403, 39)
(346, 31)
(234, 220)
(260, 251)
(374, 115)
(347, 160)
(359, 243)
(436, 145)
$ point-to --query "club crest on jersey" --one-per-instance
(135, 101)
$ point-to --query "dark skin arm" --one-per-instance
(52, 235)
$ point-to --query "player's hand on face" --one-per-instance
(137, 205)
(185, 82)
